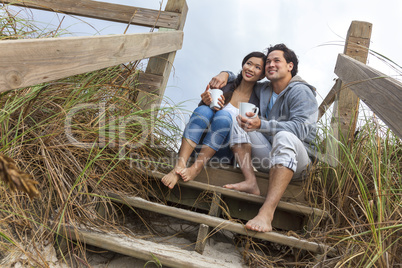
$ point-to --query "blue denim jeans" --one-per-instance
(210, 128)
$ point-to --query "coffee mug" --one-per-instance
(246, 107)
(215, 94)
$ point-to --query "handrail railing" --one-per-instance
(29, 62)
(34, 61)
(105, 11)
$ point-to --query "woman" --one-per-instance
(221, 122)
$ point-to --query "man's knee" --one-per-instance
(285, 138)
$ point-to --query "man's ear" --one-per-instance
(290, 66)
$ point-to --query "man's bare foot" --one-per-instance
(171, 178)
(188, 174)
(260, 223)
(244, 187)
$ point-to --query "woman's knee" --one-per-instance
(202, 116)
(224, 118)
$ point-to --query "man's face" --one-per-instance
(276, 67)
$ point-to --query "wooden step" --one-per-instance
(219, 223)
(170, 256)
(214, 185)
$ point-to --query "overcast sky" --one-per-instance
(219, 33)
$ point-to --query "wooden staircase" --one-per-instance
(224, 210)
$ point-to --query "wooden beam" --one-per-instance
(169, 256)
(162, 64)
(221, 224)
(203, 231)
(105, 11)
(287, 206)
(237, 208)
(380, 92)
(33, 61)
(346, 107)
(149, 82)
(329, 99)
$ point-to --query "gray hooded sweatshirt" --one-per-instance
(295, 111)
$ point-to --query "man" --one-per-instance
(283, 138)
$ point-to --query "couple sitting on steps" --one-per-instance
(281, 138)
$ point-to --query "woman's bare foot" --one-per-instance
(260, 223)
(189, 174)
(251, 188)
(171, 178)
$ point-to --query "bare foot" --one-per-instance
(171, 178)
(244, 187)
(188, 174)
(260, 223)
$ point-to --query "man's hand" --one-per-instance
(219, 81)
(249, 124)
(207, 99)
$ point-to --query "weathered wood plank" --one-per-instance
(346, 107)
(30, 62)
(149, 82)
(169, 256)
(380, 92)
(221, 223)
(162, 64)
(203, 232)
(221, 176)
(237, 208)
(106, 11)
(329, 99)
(287, 206)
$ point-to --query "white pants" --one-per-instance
(286, 150)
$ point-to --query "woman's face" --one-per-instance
(253, 69)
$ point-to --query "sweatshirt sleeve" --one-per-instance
(301, 118)
(232, 76)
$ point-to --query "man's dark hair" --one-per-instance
(288, 54)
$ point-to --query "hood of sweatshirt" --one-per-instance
(298, 80)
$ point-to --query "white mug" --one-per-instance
(245, 107)
(215, 94)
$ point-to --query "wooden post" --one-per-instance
(203, 232)
(162, 64)
(346, 106)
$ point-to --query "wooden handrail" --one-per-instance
(105, 11)
(378, 91)
(33, 61)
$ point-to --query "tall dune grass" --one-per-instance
(363, 193)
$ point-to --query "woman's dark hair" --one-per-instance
(288, 54)
(236, 82)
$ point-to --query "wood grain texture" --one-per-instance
(106, 11)
(162, 64)
(380, 92)
(34, 61)
(346, 106)
(222, 177)
(329, 99)
(169, 256)
(221, 223)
